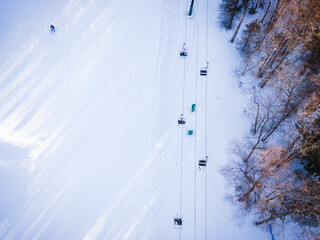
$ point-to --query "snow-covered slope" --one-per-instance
(89, 121)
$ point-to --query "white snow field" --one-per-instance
(90, 145)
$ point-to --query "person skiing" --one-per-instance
(53, 29)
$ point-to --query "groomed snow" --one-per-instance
(88, 121)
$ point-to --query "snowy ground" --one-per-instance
(88, 125)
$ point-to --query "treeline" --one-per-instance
(275, 168)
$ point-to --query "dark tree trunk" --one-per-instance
(286, 214)
(233, 15)
(266, 12)
(247, 40)
(239, 25)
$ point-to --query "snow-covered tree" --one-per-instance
(274, 170)
(250, 37)
(229, 11)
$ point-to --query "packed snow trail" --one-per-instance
(79, 100)
(89, 119)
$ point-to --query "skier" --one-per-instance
(53, 29)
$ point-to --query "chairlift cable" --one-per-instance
(183, 84)
(206, 111)
(207, 31)
(184, 60)
(206, 129)
(195, 136)
(186, 23)
(181, 162)
(182, 129)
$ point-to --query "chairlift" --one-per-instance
(203, 162)
(183, 52)
(193, 107)
(190, 132)
(181, 120)
(190, 13)
(204, 70)
(178, 221)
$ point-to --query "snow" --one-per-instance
(88, 124)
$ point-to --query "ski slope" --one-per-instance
(88, 125)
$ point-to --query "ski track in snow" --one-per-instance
(96, 106)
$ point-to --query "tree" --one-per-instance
(274, 170)
(263, 184)
(255, 4)
(311, 54)
(290, 35)
(245, 8)
(229, 11)
(244, 5)
(249, 37)
(267, 11)
(309, 129)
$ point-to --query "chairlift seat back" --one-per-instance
(183, 53)
(202, 163)
(203, 71)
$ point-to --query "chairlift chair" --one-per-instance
(181, 120)
(190, 132)
(203, 162)
(178, 221)
(204, 70)
(183, 52)
(190, 13)
(193, 107)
